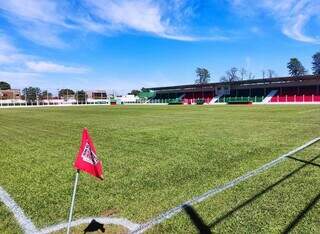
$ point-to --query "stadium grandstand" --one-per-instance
(303, 89)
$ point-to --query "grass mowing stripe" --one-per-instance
(28, 226)
(168, 214)
(155, 159)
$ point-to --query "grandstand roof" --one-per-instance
(244, 83)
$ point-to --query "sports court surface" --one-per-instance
(157, 157)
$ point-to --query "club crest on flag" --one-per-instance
(89, 156)
(87, 159)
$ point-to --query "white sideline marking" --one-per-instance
(170, 213)
(117, 221)
(29, 228)
(26, 224)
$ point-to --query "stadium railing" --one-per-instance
(225, 99)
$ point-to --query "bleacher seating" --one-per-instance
(190, 98)
(186, 98)
(226, 99)
(295, 94)
(167, 98)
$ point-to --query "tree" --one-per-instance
(134, 92)
(243, 73)
(31, 93)
(316, 63)
(203, 76)
(251, 76)
(45, 95)
(231, 75)
(4, 85)
(66, 93)
(271, 73)
(81, 96)
(296, 68)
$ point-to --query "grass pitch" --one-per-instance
(156, 157)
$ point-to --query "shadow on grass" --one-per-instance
(302, 213)
(250, 200)
(205, 229)
(94, 226)
(304, 161)
(197, 220)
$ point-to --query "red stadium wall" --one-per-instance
(190, 98)
(297, 94)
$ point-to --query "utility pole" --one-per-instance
(25, 97)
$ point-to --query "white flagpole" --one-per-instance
(73, 200)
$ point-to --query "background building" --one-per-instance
(128, 99)
(10, 94)
(96, 96)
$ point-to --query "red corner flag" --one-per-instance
(87, 159)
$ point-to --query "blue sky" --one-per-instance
(126, 44)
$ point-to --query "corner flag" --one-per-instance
(87, 159)
(88, 162)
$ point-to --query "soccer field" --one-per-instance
(157, 157)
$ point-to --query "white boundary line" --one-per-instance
(105, 220)
(29, 228)
(52, 106)
(170, 213)
(26, 224)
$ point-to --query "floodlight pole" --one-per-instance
(73, 200)
(25, 98)
(77, 94)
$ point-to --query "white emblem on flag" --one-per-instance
(89, 156)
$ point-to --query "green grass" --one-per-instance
(156, 157)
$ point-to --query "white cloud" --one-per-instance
(144, 16)
(45, 22)
(19, 79)
(6, 45)
(49, 67)
(41, 34)
(293, 15)
(255, 30)
(140, 15)
(12, 60)
(38, 21)
(248, 62)
(294, 29)
(9, 54)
